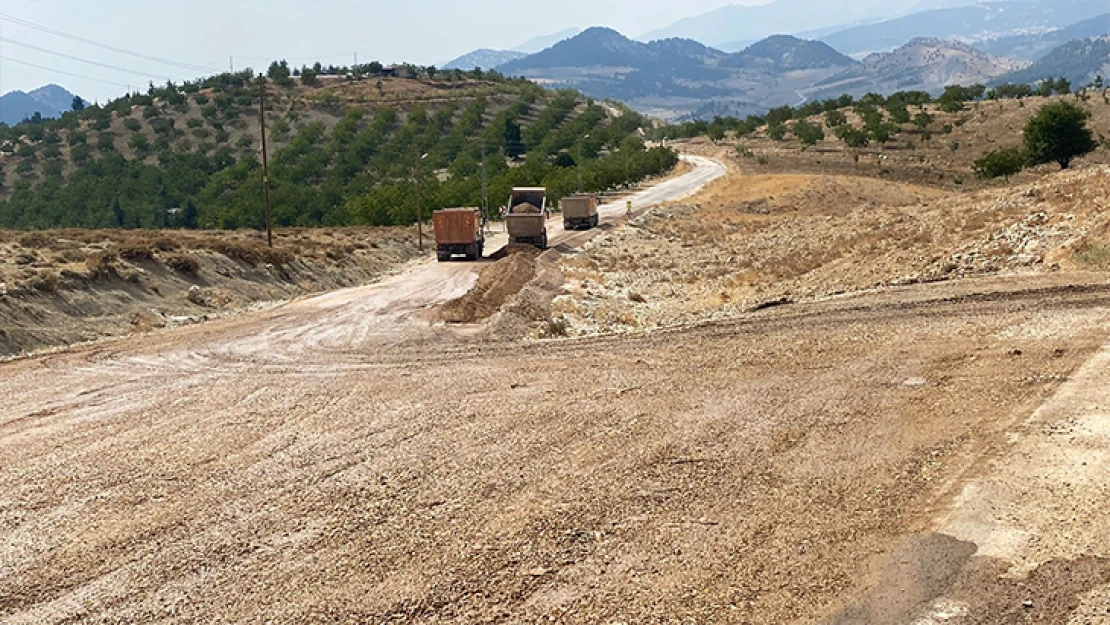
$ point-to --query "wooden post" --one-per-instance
(419, 209)
(265, 157)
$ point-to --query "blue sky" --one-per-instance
(205, 33)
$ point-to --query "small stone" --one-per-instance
(1027, 604)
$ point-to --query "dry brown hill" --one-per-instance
(941, 154)
(925, 64)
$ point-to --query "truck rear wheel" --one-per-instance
(443, 256)
(543, 242)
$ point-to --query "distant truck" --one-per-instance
(579, 212)
(526, 217)
(458, 233)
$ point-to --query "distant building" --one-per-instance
(395, 71)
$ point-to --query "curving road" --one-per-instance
(136, 474)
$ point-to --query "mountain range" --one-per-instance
(675, 78)
(484, 58)
(49, 101)
(974, 24)
(730, 27)
(924, 64)
(487, 58)
(1079, 61)
(543, 42)
(1034, 47)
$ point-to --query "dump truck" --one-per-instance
(579, 212)
(458, 233)
(526, 217)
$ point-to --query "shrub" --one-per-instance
(165, 244)
(1000, 163)
(183, 263)
(136, 253)
(835, 119)
(853, 137)
(36, 240)
(807, 133)
(250, 253)
(102, 264)
(139, 143)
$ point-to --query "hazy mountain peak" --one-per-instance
(543, 42)
(925, 63)
(786, 53)
(50, 101)
(1079, 61)
(484, 58)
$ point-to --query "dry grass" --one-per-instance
(183, 263)
(979, 128)
(750, 240)
(25, 257)
(1094, 253)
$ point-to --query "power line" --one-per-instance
(291, 59)
(79, 59)
(57, 33)
(59, 71)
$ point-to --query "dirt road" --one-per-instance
(341, 460)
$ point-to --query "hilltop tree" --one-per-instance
(309, 77)
(716, 132)
(1058, 133)
(280, 73)
(853, 137)
(78, 104)
(807, 133)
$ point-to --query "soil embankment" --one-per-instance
(63, 287)
(512, 268)
(753, 241)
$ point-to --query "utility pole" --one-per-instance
(231, 64)
(419, 208)
(1, 65)
(579, 162)
(265, 157)
(485, 185)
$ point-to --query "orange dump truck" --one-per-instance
(579, 212)
(526, 217)
(458, 233)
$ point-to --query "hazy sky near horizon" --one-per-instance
(206, 33)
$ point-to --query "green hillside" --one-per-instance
(344, 143)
